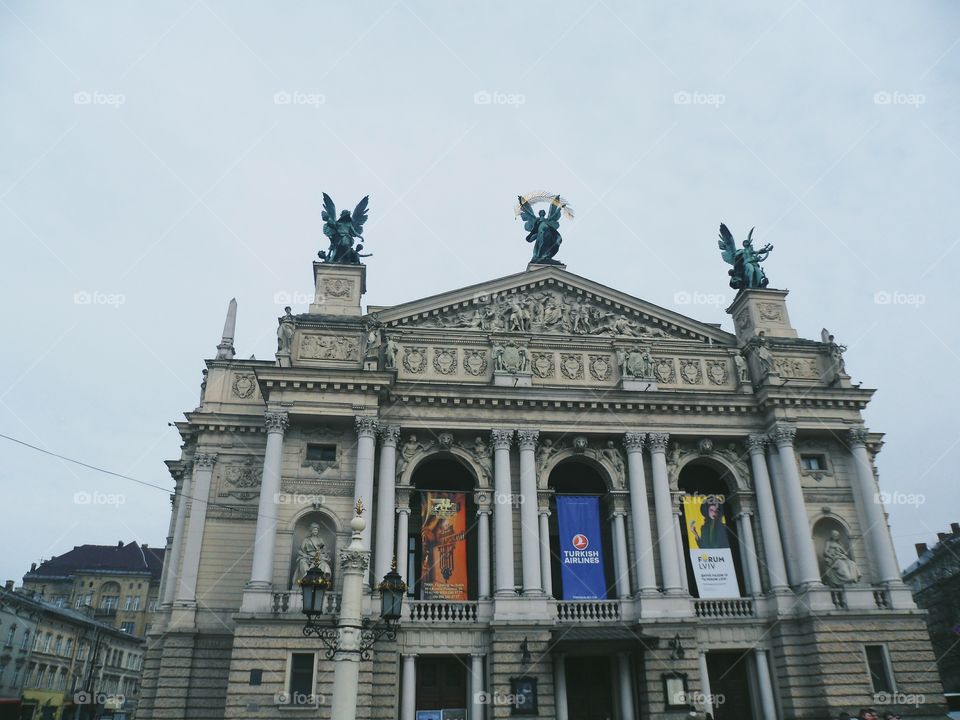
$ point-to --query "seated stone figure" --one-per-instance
(312, 552)
(840, 568)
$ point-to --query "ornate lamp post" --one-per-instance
(352, 638)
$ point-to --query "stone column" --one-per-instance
(186, 587)
(386, 503)
(663, 504)
(261, 574)
(503, 512)
(681, 556)
(764, 685)
(782, 512)
(403, 532)
(482, 501)
(546, 567)
(354, 565)
(560, 686)
(529, 522)
(876, 532)
(408, 688)
(476, 675)
(748, 550)
(626, 687)
(808, 573)
(367, 427)
(767, 516)
(640, 514)
(705, 682)
(176, 545)
(621, 563)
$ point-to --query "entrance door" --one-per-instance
(441, 682)
(589, 688)
(728, 678)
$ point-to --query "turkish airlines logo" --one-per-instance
(580, 541)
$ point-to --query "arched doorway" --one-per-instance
(715, 487)
(575, 478)
(432, 552)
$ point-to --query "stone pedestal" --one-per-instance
(338, 288)
(504, 378)
(761, 309)
(633, 384)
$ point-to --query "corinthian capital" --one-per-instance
(389, 435)
(501, 438)
(658, 441)
(276, 421)
(858, 436)
(204, 461)
(756, 442)
(783, 434)
(366, 425)
(527, 439)
(633, 441)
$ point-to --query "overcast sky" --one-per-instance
(159, 159)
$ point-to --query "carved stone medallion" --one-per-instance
(717, 371)
(770, 311)
(665, 371)
(445, 360)
(542, 364)
(510, 357)
(475, 361)
(691, 371)
(600, 367)
(337, 287)
(571, 366)
(244, 386)
(415, 359)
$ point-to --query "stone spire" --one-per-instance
(225, 349)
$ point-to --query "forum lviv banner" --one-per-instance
(443, 535)
(709, 541)
(581, 550)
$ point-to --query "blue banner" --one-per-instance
(581, 551)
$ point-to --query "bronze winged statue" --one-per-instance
(342, 231)
(746, 271)
(543, 230)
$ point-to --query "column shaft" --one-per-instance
(261, 574)
(767, 516)
(620, 556)
(176, 545)
(681, 557)
(626, 687)
(354, 566)
(748, 550)
(408, 688)
(666, 534)
(476, 676)
(186, 587)
(363, 483)
(782, 514)
(640, 514)
(546, 568)
(403, 524)
(876, 532)
(503, 513)
(705, 682)
(560, 686)
(529, 523)
(483, 554)
(386, 503)
(767, 699)
(808, 570)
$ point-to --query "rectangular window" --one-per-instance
(25, 643)
(813, 462)
(11, 635)
(301, 678)
(69, 650)
(322, 453)
(878, 664)
(58, 646)
(109, 602)
(127, 627)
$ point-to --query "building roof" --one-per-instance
(37, 604)
(119, 558)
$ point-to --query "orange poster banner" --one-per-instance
(443, 535)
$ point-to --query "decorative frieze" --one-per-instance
(329, 347)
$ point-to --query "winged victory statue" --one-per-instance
(746, 271)
(543, 229)
(342, 231)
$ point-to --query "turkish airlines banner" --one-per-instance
(581, 551)
(443, 534)
(709, 544)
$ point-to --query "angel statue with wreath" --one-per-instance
(342, 231)
(543, 228)
(746, 271)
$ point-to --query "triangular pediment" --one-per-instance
(548, 300)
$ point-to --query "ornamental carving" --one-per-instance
(475, 362)
(601, 367)
(337, 287)
(634, 441)
(782, 434)
(527, 438)
(204, 461)
(389, 435)
(665, 371)
(510, 357)
(800, 368)
(743, 319)
(730, 453)
(658, 441)
(275, 421)
(571, 365)
(542, 364)
(354, 560)
(858, 436)
(635, 362)
(244, 385)
(691, 371)
(502, 439)
(770, 312)
(366, 425)
(242, 481)
(717, 372)
(415, 359)
(329, 347)
(445, 360)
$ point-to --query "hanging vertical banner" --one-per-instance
(709, 543)
(581, 551)
(443, 532)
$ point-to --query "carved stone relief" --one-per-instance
(717, 372)
(244, 385)
(571, 365)
(691, 371)
(337, 287)
(329, 347)
(601, 367)
(241, 480)
(475, 362)
(415, 359)
(542, 364)
(800, 368)
(665, 370)
(445, 360)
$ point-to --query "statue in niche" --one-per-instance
(746, 271)
(390, 351)
(285, 331)
(760, 347)
(312, 553)
(612, 455)
(372, 352)
(839, 568)
(743, 371)
(342, 231)
(838, 366)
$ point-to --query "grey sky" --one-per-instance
(146, 154)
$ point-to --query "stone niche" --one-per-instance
(305, 543)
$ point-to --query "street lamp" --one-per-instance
(314, 586)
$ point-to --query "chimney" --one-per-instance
(942, 537)
(921, 549)
(955, 528)
(119, 544)
(8, 586)
(33, 567)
